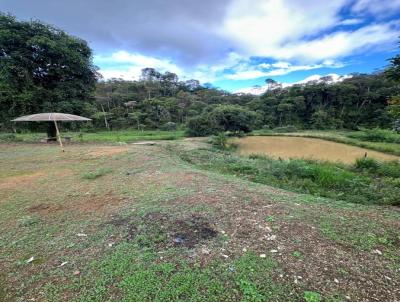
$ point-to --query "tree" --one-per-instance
(42, 68)
(393, 71)
(222, 118)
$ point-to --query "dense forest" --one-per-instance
(44, 69)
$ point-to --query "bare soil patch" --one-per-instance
(166, 231)
(107, 151)
(88, 205)
(21, 180)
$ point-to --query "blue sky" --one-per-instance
(232, 44)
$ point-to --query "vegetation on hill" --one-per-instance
(45, 69)
(42, 69)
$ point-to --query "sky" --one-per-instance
(231, 44)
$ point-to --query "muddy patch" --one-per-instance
(44, 208)
(303, 147)
(163, 231)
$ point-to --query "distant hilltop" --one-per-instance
(313, 79)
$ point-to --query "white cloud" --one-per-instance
(289, 35)
(377, 7)
(128, 66)
(316, 78)
(296, 29)
(246, 72)
(353, 21)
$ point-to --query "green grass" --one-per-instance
(99, 136)
(97, 173)
(376, 135)
(131, 274)
(43, 215)
(350, 183)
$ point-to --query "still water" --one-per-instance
(302, 147)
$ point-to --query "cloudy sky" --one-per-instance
(229, 43)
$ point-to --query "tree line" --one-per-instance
(44, 69)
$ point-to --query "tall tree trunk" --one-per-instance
(105, 117)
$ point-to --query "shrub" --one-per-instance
(367, 164)
(222, 118)
(9, 137)
(200, 126)
(390, 169)
(220, 141)
(233, 118)
(170, 126)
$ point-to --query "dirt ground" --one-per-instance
(151, 199)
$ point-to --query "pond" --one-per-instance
(309, 148)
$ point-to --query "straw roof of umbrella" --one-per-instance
(50, 117)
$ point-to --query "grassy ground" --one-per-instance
(99, 136)
(355, 138)
(366, 182)
(138, 223)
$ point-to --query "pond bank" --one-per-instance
(286, 147)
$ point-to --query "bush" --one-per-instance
(9, 137)
(170, 126)
(369, 164)
(200, 126)
(222, 118)
(233, 118)
(220, 141)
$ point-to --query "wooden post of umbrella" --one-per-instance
(59, 136)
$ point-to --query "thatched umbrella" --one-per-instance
(52, 117)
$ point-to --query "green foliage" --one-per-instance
(296, 254)
(116, 136)
(376, 135)
(222, 118)
(312, 296)
(390, 169)
(233, 118)
(43, 69)
(96, 174)
(353, 184)
(139, 275)
(170, 126)
(200, 126)
(9, 137)
(285, 129)
(367, 164)
(220, 141)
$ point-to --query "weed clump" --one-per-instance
(96, 174)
